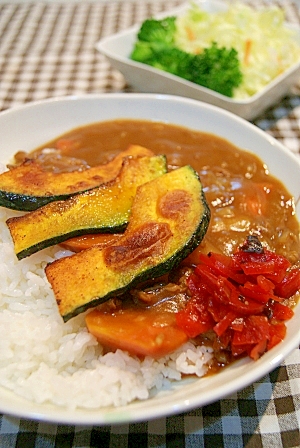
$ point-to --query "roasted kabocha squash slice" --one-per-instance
(83, 242)
(168, 220)
(104, 209)
(28, 186)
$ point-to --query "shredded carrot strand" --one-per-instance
(248, 45)
(190, 34)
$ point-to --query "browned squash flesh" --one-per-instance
(100, 210)
(28, 186)
(83, 242)
(169, 218)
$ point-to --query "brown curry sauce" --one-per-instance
(244, 198)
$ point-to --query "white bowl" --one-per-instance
(144, 78)
(31, 125)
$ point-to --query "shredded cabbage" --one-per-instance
(266, 47)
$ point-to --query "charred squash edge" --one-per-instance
(162, 268)
(156, 271)
(16, 199)
(17, 226)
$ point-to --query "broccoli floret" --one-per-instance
(153, 30)
(154, 37)
(142, 52)
(169, 59)
(147, 52)
(173, 60)
(217, 69)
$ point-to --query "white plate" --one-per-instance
(144, 78)
(35, 123)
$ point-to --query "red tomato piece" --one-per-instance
(234, 295)
(197, 287)
(231, 295)
(265, 284)
(223, 341)
(259, 349)
(281, 311)
(209, 280)
(255, 292)
(216, 308)
(195, 318)
(269, 264)
(223, 324)
(255, 329)
(277, 334)
(237, 324)
(247, 336)
(238, 350)
(261, 323)
(289, 285)
(223, 265)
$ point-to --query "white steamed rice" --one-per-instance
(48, 361)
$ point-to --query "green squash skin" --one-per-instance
(15, 197)
(155, 271)
(66, 288)
(61, 238)
(26, 203)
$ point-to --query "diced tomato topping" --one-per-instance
(223, 341)
(255, 292)
(217, 309)
(258, 349)
(207, 278)
(253, 338)
(237, 324)
(268, 263)
(238, 350)
(224, 323)
(255, 328)
(281, 311)
(265, 284)
(199, 288)
(195, 318)
(277, 334)
(239, 297)
(289, 285)
(223, 265)
(231, 295)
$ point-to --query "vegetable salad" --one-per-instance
(252, 48)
